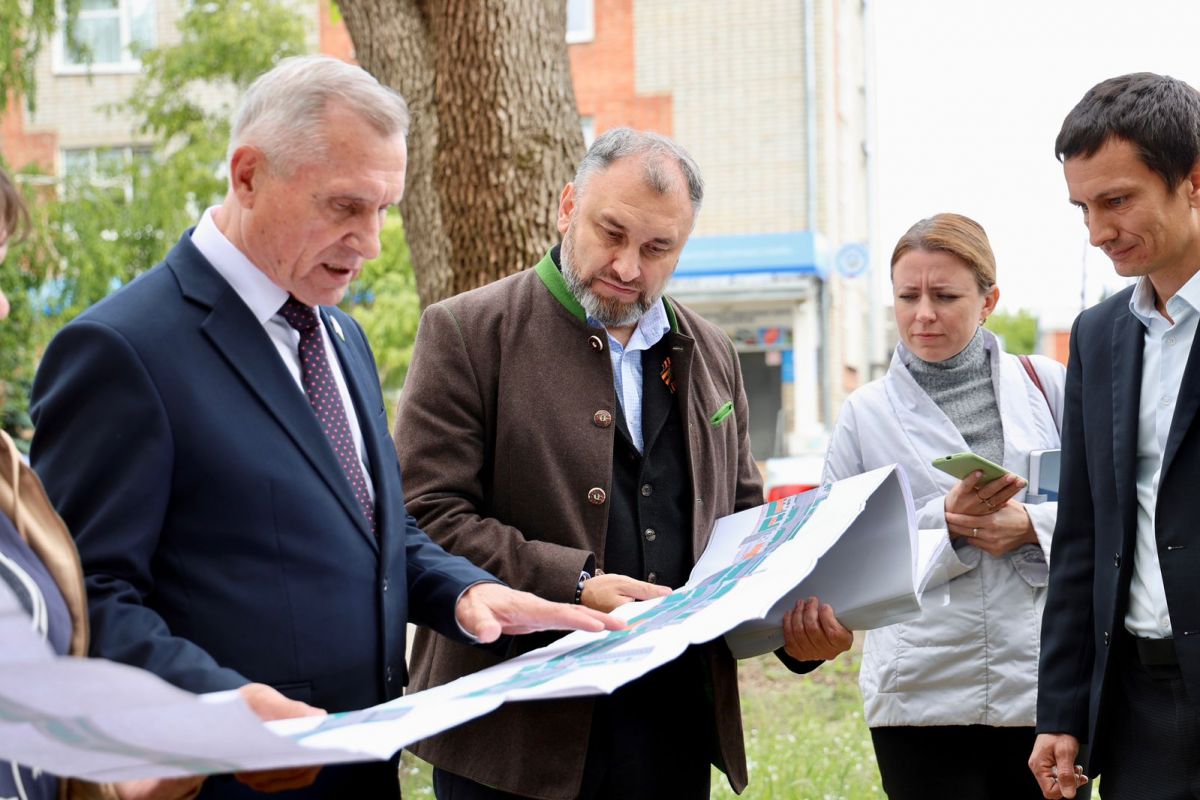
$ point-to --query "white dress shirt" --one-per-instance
(627, 365)
(1166, 347)
(264, 298)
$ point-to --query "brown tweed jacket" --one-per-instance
(501, 442)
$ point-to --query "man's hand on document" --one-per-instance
(811, 632)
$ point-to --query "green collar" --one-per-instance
(552, 277)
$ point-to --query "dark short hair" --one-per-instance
(14, 216)
(1157, 114)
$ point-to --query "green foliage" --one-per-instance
(25, 26)
(23, 333)
(224, 46)
(805, 736)
(96, 235)
(384, 301)
(1019, 331)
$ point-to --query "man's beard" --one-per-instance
(608, 311)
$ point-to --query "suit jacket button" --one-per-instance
(387, 673)
(647, 490)
(650, 535)
(602, 419)
(652, 577)
(1117, 560)
(596, 496)
(1107, 638)
(385, 584)
(597, 343)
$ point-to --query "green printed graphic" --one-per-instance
(779, 522)
(344, 719)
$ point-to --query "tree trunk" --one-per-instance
(495, 132)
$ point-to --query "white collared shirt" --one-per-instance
(1166, 347)
(264, 298)
(627, 365)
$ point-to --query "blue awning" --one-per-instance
(796, 253)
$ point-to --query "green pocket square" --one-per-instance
(721, 413)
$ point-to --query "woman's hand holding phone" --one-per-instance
(988, 515)
(969, 497)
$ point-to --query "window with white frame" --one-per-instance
(108, 35)
(581, 21)
(103, 167)
(589, 130)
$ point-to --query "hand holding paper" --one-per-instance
(811, 632)
(270, 705)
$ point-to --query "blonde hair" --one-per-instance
(961, 237)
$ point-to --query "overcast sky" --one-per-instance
(970, 95)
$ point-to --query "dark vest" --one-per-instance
(650, 518)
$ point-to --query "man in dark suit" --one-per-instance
(214, 435)
(577, 433)
(1120, 662)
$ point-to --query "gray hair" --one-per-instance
(654, 149)
(283, 111)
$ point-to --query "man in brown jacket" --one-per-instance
(576, 433)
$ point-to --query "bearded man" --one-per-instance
(576, 433)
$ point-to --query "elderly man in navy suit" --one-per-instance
(1120, 662)
(214, 435)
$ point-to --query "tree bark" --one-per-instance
(495, 132)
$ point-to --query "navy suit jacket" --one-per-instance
(220, 540)
(1091, 561)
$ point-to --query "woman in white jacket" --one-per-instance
(950, 696)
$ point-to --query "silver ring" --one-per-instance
(974, 532)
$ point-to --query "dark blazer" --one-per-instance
(1091, 560)
(506, 435)
(220, 540)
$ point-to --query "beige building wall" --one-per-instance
(735, 73)
(74, 105)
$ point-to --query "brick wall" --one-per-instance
(604, 74)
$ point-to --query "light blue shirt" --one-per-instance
(1165, 349)
(627, 365)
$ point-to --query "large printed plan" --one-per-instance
(852, 543)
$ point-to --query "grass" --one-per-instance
(805, 736)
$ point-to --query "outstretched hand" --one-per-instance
(606, 592)
(488, 610)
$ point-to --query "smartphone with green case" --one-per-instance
(960, 465)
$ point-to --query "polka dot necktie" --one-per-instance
(326, 400)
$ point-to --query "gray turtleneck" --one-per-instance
(961, 386)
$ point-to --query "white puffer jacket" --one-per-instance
(971, 658)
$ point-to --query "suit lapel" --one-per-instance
(357, 373)
(1186, 404)
(681, 349)
(241, 340)
(1128, 334)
